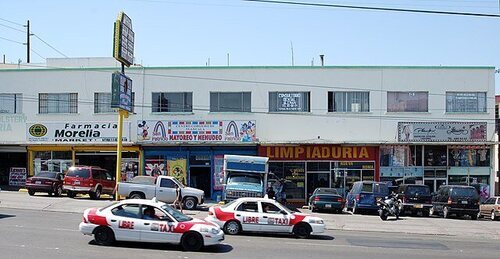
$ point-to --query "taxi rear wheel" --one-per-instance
(104, 236)
(302, 230)
(192, 241)
(232, 228)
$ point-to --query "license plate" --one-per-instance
(418, 206)
(77, 182)
(38, 182)
(328, 205)
(465, 202)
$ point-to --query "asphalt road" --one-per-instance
(46, 234)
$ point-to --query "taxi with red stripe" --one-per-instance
(263, 215)
(148, 221)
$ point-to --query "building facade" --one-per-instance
(320, 126)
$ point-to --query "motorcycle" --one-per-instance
(388, 207)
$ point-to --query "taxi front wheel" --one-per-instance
(302, 230)
(232, 227)
(192, 241)
(104, 236)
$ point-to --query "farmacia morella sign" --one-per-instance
(100, 132)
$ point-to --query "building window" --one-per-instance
(468, 156)
(289, 102)
(407, 101)
(465, 102)
(102, 103)
(172, 102)
(11, 103)
(58, 103)
(230, 102)
(348, 101)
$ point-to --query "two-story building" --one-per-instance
(320, 126)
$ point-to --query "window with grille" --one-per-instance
(230, 102)
(348, 101)
(11, 103)
(172, 102)
(465, 102)
(58, 103)
(102, 103)
(407, 101)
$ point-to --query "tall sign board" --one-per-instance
(121, 92)
(123, 47)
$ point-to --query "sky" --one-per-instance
(192, 33)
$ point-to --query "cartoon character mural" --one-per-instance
(144, 134)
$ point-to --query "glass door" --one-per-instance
(316, 180)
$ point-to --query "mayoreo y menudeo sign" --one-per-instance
(100, 132)
(442, 131)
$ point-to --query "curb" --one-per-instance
(23, 190)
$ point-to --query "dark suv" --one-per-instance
(364, 194)
(455, 199)
(415, 198)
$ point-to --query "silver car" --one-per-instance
(490, 208)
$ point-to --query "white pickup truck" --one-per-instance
(161, 187)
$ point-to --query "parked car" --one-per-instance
(49, 182)
(263, 215)
(490, 208)
(326, 199)
(455, 199)
(414, 198)
(161, 187)
(364, 194)
(148, 221)
(90, 180)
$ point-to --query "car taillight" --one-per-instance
(357, 197)
(340, 200)
(498, 208)
(404, 199)
(316, 198)
(450, 200)
(84, 220)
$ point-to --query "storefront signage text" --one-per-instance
(196, 131)
(17, 176)
(75, 132)
(318, 152)
(442, 131)
(7, 121)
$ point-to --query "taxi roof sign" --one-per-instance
(123, 40)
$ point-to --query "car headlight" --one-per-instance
(209, 230)
(316, 221)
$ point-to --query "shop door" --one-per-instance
(316, 180)
(435, 178)
(200, 178)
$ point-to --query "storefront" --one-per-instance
(437, 164)
(57, 146)
(12, 158)
(307, 167)
(193, 151)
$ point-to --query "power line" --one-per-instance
(37, 54)
(22, 25)
(49, 45)
(12, 28)
(374, 8)
(18, 42)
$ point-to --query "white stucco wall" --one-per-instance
(376, 126)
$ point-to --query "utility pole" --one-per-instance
(28, 41)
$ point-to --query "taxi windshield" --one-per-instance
(176, 214)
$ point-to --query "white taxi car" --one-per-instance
(148, 221)
(263, 215)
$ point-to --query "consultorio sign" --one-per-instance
(100, 132)
(196, 131)
(442, 131)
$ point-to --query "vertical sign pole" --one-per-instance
(121, 115)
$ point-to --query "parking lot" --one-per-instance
(462, 227)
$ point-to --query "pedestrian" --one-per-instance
(178, 198)
(270, 192)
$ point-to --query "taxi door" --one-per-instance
(248, 215)
(159, 229)
(272, 219)
(125, 222)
